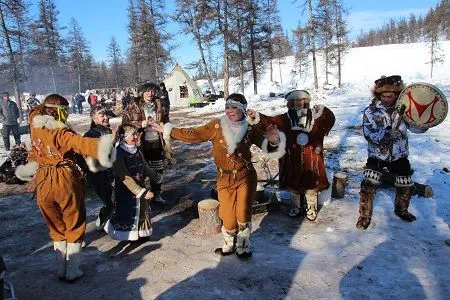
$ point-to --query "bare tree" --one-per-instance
(149, 48)
(432, 33)
(195, 17)
(115, 61)
(12, 18)
(47, 38)
(78, 51)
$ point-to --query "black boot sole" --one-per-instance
(220, 252)
(245, 255)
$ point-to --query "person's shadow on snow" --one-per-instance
(389, 271)
(269, 273)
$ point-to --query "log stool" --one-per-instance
(208, 214)
(338, 188)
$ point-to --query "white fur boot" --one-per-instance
(311, 202)
(73, 261)
(228, 246)
(243, 240)
(60, 251)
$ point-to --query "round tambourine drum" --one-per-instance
(423, 105)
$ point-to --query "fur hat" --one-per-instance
(147, 86)
(385, 84)
(297, 95)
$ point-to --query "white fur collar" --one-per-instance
(46, 121)
(232, 139)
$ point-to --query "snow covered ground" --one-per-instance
(294, 259)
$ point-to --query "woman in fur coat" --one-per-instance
(231, 137)
(59, 183)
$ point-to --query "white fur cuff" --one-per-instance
(281, 150)
(27, 172)
(254, 121)
(167, 131)
(141, 192)
(106, 152)
(93, 165)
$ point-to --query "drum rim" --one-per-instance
(438, 92)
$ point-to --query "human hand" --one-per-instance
(157, 127)
(148, 195)
(272, 134)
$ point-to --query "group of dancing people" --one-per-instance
(133, 158)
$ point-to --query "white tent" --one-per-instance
(182, 89)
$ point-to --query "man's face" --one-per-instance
(6, 97)
(297, 103)
(388, 98)
(148, 95)
(101, 119)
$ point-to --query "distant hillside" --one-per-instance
(361, 67)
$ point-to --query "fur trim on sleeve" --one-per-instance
(93, 165)
(255, 120)
(27, 172)
(141, 192)
(281, 150)
(167, 131)
(106, 152)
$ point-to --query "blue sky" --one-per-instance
(102, 19)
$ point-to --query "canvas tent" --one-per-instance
(182, 89)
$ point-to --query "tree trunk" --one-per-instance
(338, 187)
(12, 63)
(52, 70)
(202, 55)
(279, 68)
(208, 215)
(79, 79)
(226, 67)
(313, 44)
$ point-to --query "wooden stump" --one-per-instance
(208, 214)
(338, 187)
(260, 196)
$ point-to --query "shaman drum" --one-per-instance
(424, 105)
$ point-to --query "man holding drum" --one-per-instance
(386, 133)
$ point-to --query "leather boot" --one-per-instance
(402, 199)
(228, 246)
(296, 206)
(367, 194)
(243, 240)
(73, 271)
(60, 251)
(311, 197)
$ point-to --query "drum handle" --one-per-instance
(401, 112)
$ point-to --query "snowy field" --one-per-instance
(293, 258)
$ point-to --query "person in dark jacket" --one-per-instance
(9, 113)
(165, 101)
(79, 99)
(102, 180)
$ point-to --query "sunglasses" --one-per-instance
(390, 80)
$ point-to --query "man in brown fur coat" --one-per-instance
(302, 169)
